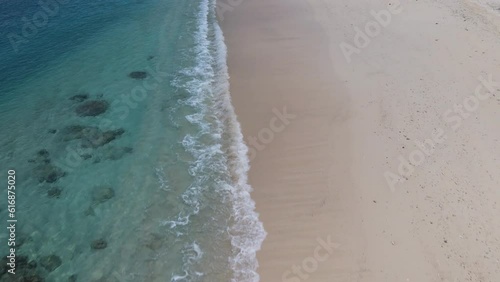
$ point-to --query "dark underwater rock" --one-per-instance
(90, 136)
(50, 262)
(54, 192)
(31, 278)
(98, 244)
(41, 157)
(92, 108)
(106, 137)
(116, 153)
(4, 267)
(86, 156)
(24, 268)
(89, 212)
(43, 153)
(79, 97)
(52, 131)
(138, 75)
(154, 241)
(23, 262)
(72, 278)
(101, 194)
(48, 173)
(73, 132)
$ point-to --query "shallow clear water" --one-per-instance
(152, 164)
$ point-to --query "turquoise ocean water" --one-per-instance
(129, 160)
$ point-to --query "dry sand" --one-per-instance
(322, 173)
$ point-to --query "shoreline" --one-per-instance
(324, 131)
(289, 133)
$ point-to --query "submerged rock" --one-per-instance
(73, 132)
(72, 278)
(138, 75)
(98, 244)
(48, 173)
(105, 138)
(90, 136)
(116, 153)
(154, 241)
(52, 131)
(54, 192)
(31, 278)
(101, 194)
(92, 108)
(86, 156)
(79, 97)
(4, 267)
(89, 212)
(50, 262)
(43, 153)
(41, 157)
(23, 262)
(25, 270)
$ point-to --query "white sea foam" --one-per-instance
(192, 253)
(162, 179)
(208, 85)
(247, 230)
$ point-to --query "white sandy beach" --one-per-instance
(392, 154)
